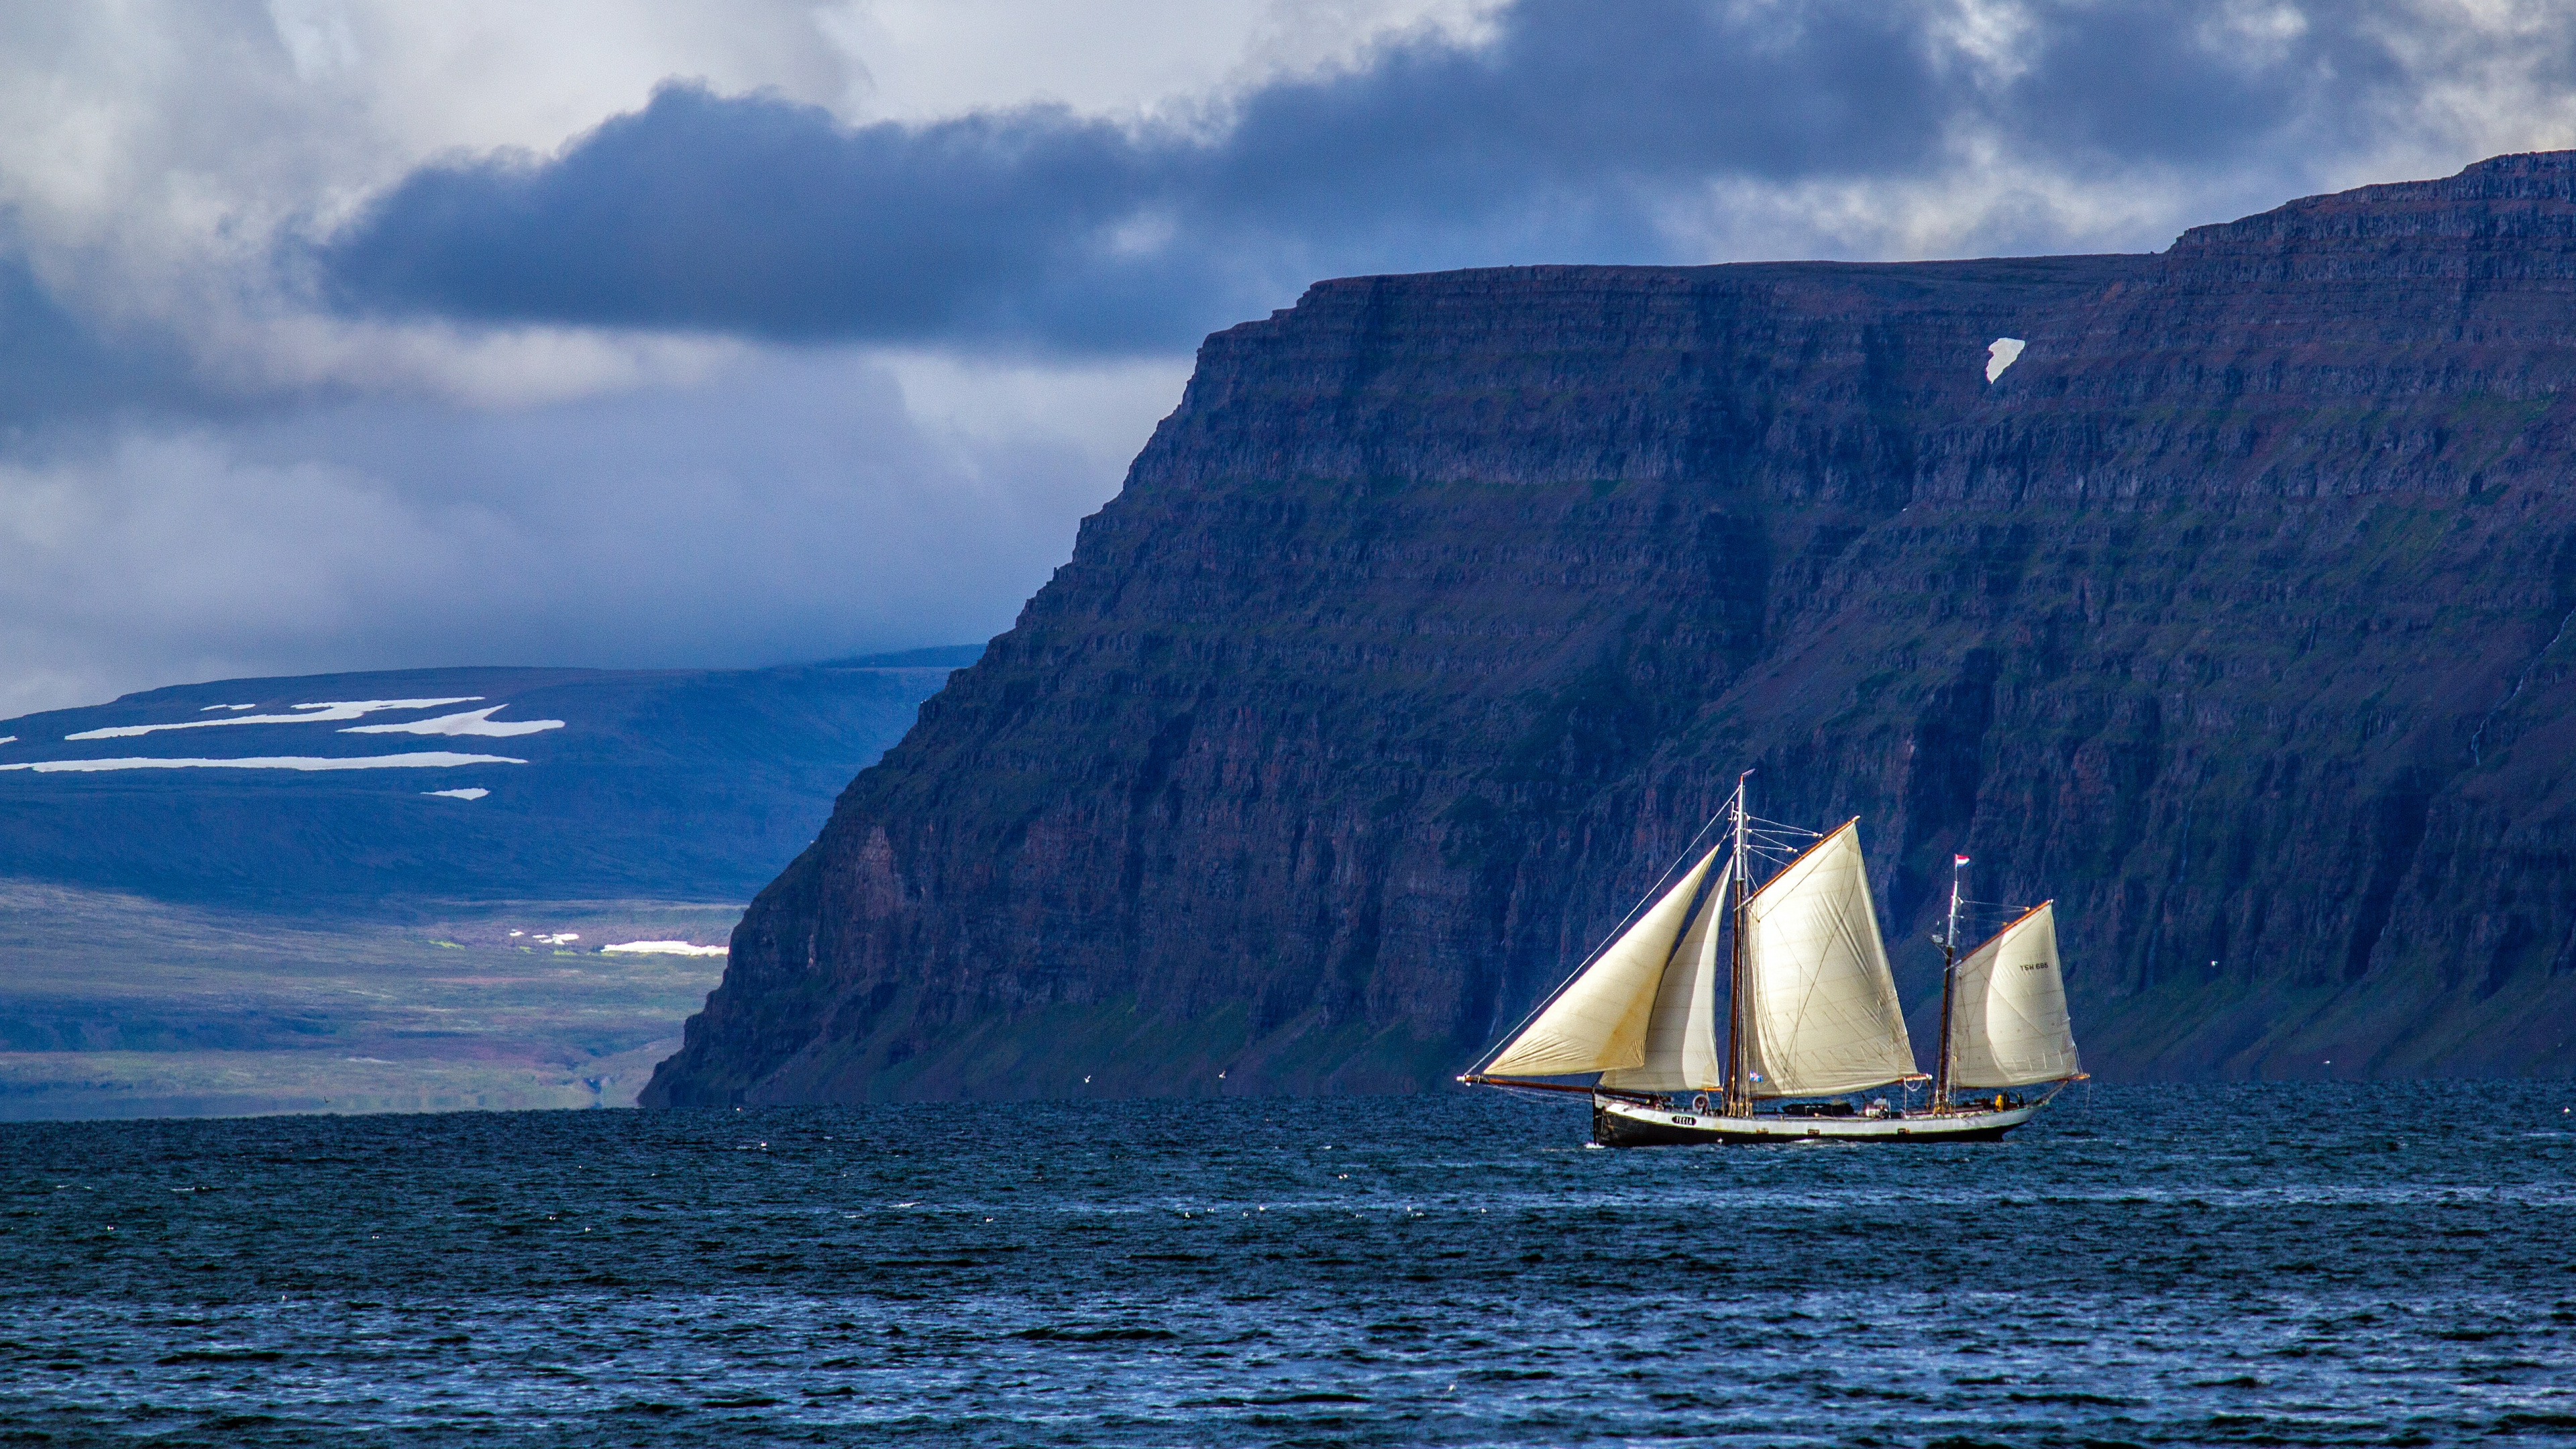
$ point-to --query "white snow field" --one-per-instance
(473, 722)
(666, 948)
(471, 792)
(210, 709)
(8, 739)
(424, 760)
(2001, 353)
(326, 711)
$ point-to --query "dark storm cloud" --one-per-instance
(1567, 135)
(56, 367)
(755, 214)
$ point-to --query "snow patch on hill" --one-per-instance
(327, 710)
(472, 722)
(423, 760)
(2001, 353)
(471, 792)
(666, 948)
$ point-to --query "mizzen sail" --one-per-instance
(1601, 1021)
(1820, 1013)
(2008, 1025)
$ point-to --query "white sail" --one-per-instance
(1600, 1022)
(1820, 1004)
(1681, 1033)
(2008, 1025)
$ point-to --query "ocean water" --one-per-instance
(2243, 1265)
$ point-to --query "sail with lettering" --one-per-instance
(2008, 1022)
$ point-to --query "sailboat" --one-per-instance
(1813, 1036)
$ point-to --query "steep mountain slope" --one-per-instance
(1444, 610)
(676, 785)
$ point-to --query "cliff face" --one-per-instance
(1445, 608)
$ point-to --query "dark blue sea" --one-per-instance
(2241, 1265)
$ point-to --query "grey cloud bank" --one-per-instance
(1575, 132)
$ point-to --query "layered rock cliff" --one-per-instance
(2233, 615)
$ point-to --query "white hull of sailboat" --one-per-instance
(1630, 1124)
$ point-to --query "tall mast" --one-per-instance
(1739, 1101)
(1949, 963)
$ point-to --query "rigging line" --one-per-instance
(1752, 818)
(1653, 893)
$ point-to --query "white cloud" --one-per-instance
(159, 151)
(793, 507)
(922, 59)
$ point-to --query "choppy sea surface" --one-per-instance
(2242, 1265)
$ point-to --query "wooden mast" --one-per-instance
(1949, 980)
(1738, 1101)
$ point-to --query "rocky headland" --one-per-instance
(2233, 615)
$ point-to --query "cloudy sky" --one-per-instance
(369, 335)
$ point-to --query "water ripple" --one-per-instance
(2219, 1266)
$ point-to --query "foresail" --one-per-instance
(2008, 1024)
(1681, 1034)
(1600, 1022)
(1821, 1013)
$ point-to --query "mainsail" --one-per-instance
(1820, 1012)
(1610, 1016)
(2008, 1025)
